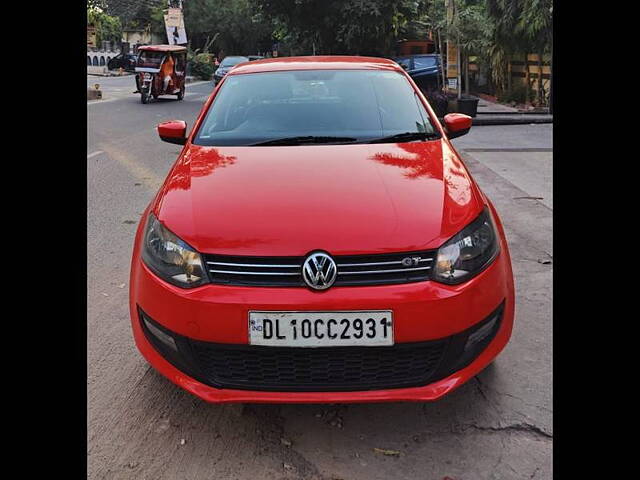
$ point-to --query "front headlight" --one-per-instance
(171, 258)
(467, 253)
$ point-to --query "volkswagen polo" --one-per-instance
(319, 239)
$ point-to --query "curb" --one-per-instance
(513, 113)
(516, 119)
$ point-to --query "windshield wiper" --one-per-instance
(405, 137)
(305, 140)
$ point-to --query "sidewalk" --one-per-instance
(487, 107)
(103, 72)
(491, 113)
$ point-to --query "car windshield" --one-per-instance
(424, 62)
(348, 105)
(404, 62)
(149, 59)
(231, 61)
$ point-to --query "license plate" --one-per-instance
(321, 329)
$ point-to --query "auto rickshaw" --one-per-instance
(154, 64)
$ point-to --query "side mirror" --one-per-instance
(457, 124)
(174, 131)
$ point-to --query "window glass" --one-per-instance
(231, 61)
(149, 59)
(424, 62)
(363, 104)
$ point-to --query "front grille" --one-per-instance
(383, 269)
(318, 369)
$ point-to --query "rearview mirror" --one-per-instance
(457, 124)
(174, 131)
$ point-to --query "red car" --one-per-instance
(320, 240)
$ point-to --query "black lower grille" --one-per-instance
(252, 367)
(325, 369)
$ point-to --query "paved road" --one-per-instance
(116, 88)
(141, 426)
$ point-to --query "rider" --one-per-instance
(167, 70)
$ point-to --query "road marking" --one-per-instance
(91, 155)
(107, 100)
(148, 178)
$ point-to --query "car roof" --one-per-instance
(419, 55)
(333, 62)
(163, 48)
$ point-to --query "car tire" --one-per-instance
(181, 93)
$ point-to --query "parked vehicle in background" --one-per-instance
(227, 64)
(425, 70)
(126, 61)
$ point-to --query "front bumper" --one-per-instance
(423, 312)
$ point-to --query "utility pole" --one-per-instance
(453, 51)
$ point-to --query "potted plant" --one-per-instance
(467, 104)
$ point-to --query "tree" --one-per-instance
(365, 27)
(240, 26)
(108, 28)
(472, 30)
(504, 15)
(133, 13)
(519, 26)
(536, 27)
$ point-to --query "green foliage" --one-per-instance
(517, 94)
(535, 24)
(340, 26)
(202, 69)
(134, 13)
(518, 26)
(108, 28)
(472, 28)
(233, 27)
(204, 58)
(156, 20)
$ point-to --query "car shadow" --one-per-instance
(299, 435)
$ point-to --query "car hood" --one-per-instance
(343, 199)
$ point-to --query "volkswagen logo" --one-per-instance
(319, 271)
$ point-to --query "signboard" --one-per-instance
(173, 18)
(452, 60)
(91, 36)
(174, 24)
(452, 83)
